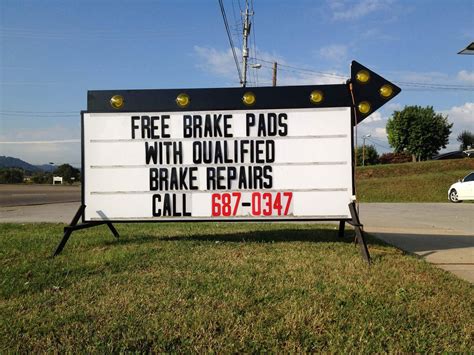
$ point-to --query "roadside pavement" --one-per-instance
(441, 233)
(51, 212)
(36, 194)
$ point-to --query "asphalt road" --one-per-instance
(442, 233)
(25, 195)
(422, 218)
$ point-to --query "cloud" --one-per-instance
(380, 132)
(376, 116)
(308, 79)
(464, 75)
(53, 133)
(378, 34)
(334, 53)
(57, 143)
(221, 64)
(375, 126)
(350, 10)
(217, 62)
(394, 106)
(462, 118)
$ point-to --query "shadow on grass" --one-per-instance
(322, 235)
(273, 236)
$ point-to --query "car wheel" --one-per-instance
(453, 196)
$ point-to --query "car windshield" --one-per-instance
(469, 177)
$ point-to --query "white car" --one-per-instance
(462, 190)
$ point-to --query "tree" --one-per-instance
(466, 139)
(42, 178)
(419, 131)
(68, 173)
(371, 155)
(11, 176)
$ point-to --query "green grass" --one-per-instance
(410, 182)
(223, 288)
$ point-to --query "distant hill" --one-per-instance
(46, 167)
(11, 162)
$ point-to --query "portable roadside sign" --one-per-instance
(230, 154)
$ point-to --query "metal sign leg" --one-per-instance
(359, 232)
(113, 230)
(342, 224)
(73, 226)
(68, 231)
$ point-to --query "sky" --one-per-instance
(53, 52)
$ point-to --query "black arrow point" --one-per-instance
(371, 91)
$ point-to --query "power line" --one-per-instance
(378, 144)
(89, 35)
(308, 74)
(229, 36)
(240, 8)
(13, 117)
(61, 141)
(280, 65)
(239, 24)
(254, 43)
(38, 114)
(8, 111)
(412, 86)
(238, 27)
(245, 49)
(435, 85)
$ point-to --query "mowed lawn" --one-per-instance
(223, 288)
(427, 181)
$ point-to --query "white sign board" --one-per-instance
(218, 165)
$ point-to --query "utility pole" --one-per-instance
(363, 153)
(363, 148)
(274, 80)
(245, 49)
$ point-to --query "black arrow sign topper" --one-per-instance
(365, 91)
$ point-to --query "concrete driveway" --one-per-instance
(442, 233)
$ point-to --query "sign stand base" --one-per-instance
(359, 232)
(355, 222)
(73, 226)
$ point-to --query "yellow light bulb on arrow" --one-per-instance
(364, 107)
(386, 91)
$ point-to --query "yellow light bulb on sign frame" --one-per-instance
(364, 107)
(316, 96)
(386, 91)
(183, 100)
(249, 98)
(117, 101)
(363, 76)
